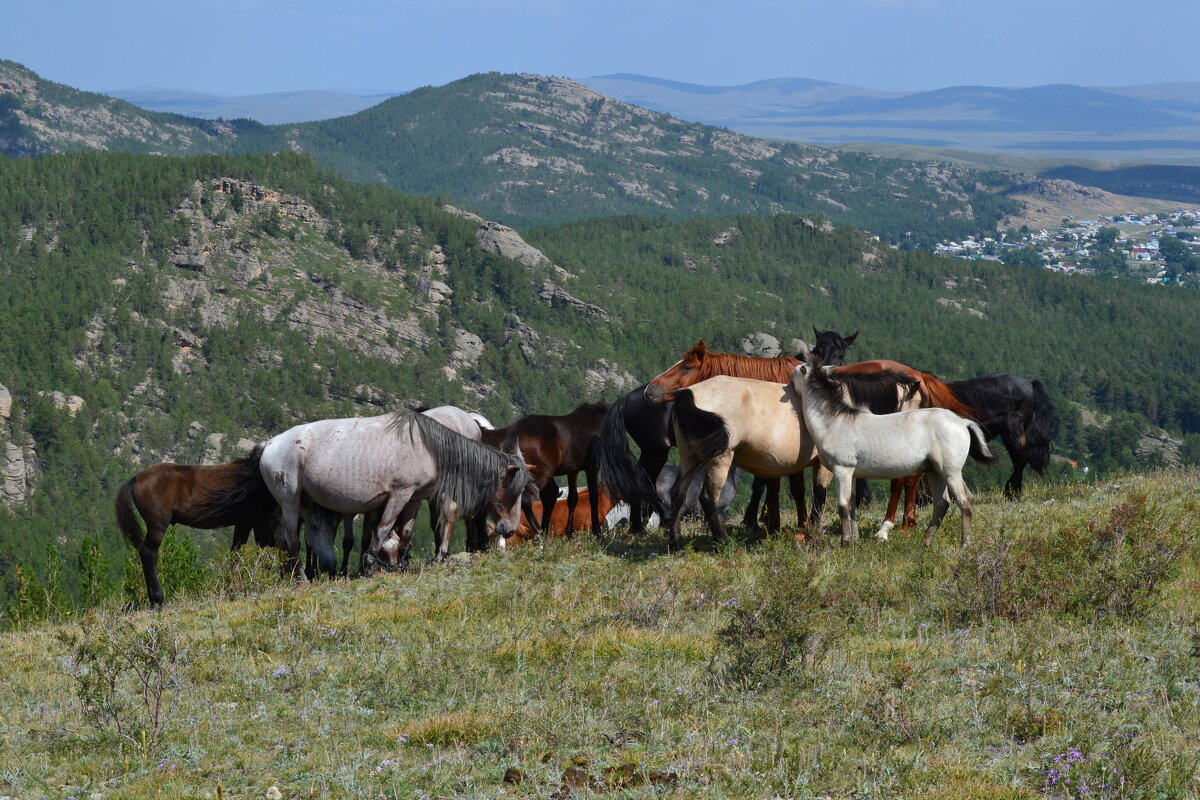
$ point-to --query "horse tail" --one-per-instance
(979, 449)
(623, 476)
(1041, 430)
(939, 394)
(127, 519)
(706, 434)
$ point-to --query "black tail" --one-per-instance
(127, 519)
(620, 472)
(1042, 429)
(704, 432)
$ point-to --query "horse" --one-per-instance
(556, 445)
(389, 464)
(557, 526)
(1017, 410)
(321, 524)
(197, 496)
(855, 442)
(644, 414)
(725, 421)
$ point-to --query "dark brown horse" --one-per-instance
(196, 496)
(556, 445)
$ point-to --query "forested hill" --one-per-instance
(182, 308)
(530, 150)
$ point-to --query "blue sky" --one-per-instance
(238, 47)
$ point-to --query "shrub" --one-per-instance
(779, 626)
(1117, 567)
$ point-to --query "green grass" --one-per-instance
(751, 670)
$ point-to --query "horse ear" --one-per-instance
(849, 340)
(816, 333)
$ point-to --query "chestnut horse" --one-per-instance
(556, 445)
(558, 516)
(197, 496)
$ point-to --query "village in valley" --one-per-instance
(1156, 248)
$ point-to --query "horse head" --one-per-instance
(511, 487)
(684, 373)
(830, 348)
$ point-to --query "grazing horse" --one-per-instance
(558, 516)
(644, 414)
(389, 464)
(855, 442)
(556, 445)
(197, 496)
(1019, 412)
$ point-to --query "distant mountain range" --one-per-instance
(1156, 123)
(275, 108)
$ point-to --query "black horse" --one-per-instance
(1017, 410)
(648, 424)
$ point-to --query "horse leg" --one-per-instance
(399, 508)
(937, 487)
(962, 498)
(1014, 484)
(548, 496)
(862, 492)
(289, 535)
(912, 488)
(889, 517)
(347, 542)
(370, 523)
(796, 487)
(687, 473)
(589, 477)
(442, 537)
(652, 461)
(241, 534)
(714, 481)
(148, 553)
(403, 527)
(572, 501)
(821, 479)
(750, 519)
(845, 489)
(773, 521)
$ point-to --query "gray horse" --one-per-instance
(388, 464)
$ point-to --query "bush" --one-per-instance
(1113, 568)
(777, 628)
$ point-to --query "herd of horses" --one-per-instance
(725, 413)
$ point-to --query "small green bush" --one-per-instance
(1117, 567)
(780, 626)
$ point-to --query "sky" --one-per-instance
(240, 47)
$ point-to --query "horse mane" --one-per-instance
(878, 391)
(242, 494)
(775, 370)
(466, 469)
(827, 394)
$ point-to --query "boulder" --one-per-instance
(5, 402)
(761, 345)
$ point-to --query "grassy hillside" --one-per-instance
(194, 306)
(1061, 646)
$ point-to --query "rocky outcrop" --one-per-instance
(5, 402)
(557, 297)
(504, 241)
(760, 345)
(606, 375)
(15, 487)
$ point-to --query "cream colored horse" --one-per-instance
(724, 421)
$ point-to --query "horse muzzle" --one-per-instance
(653, 393)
